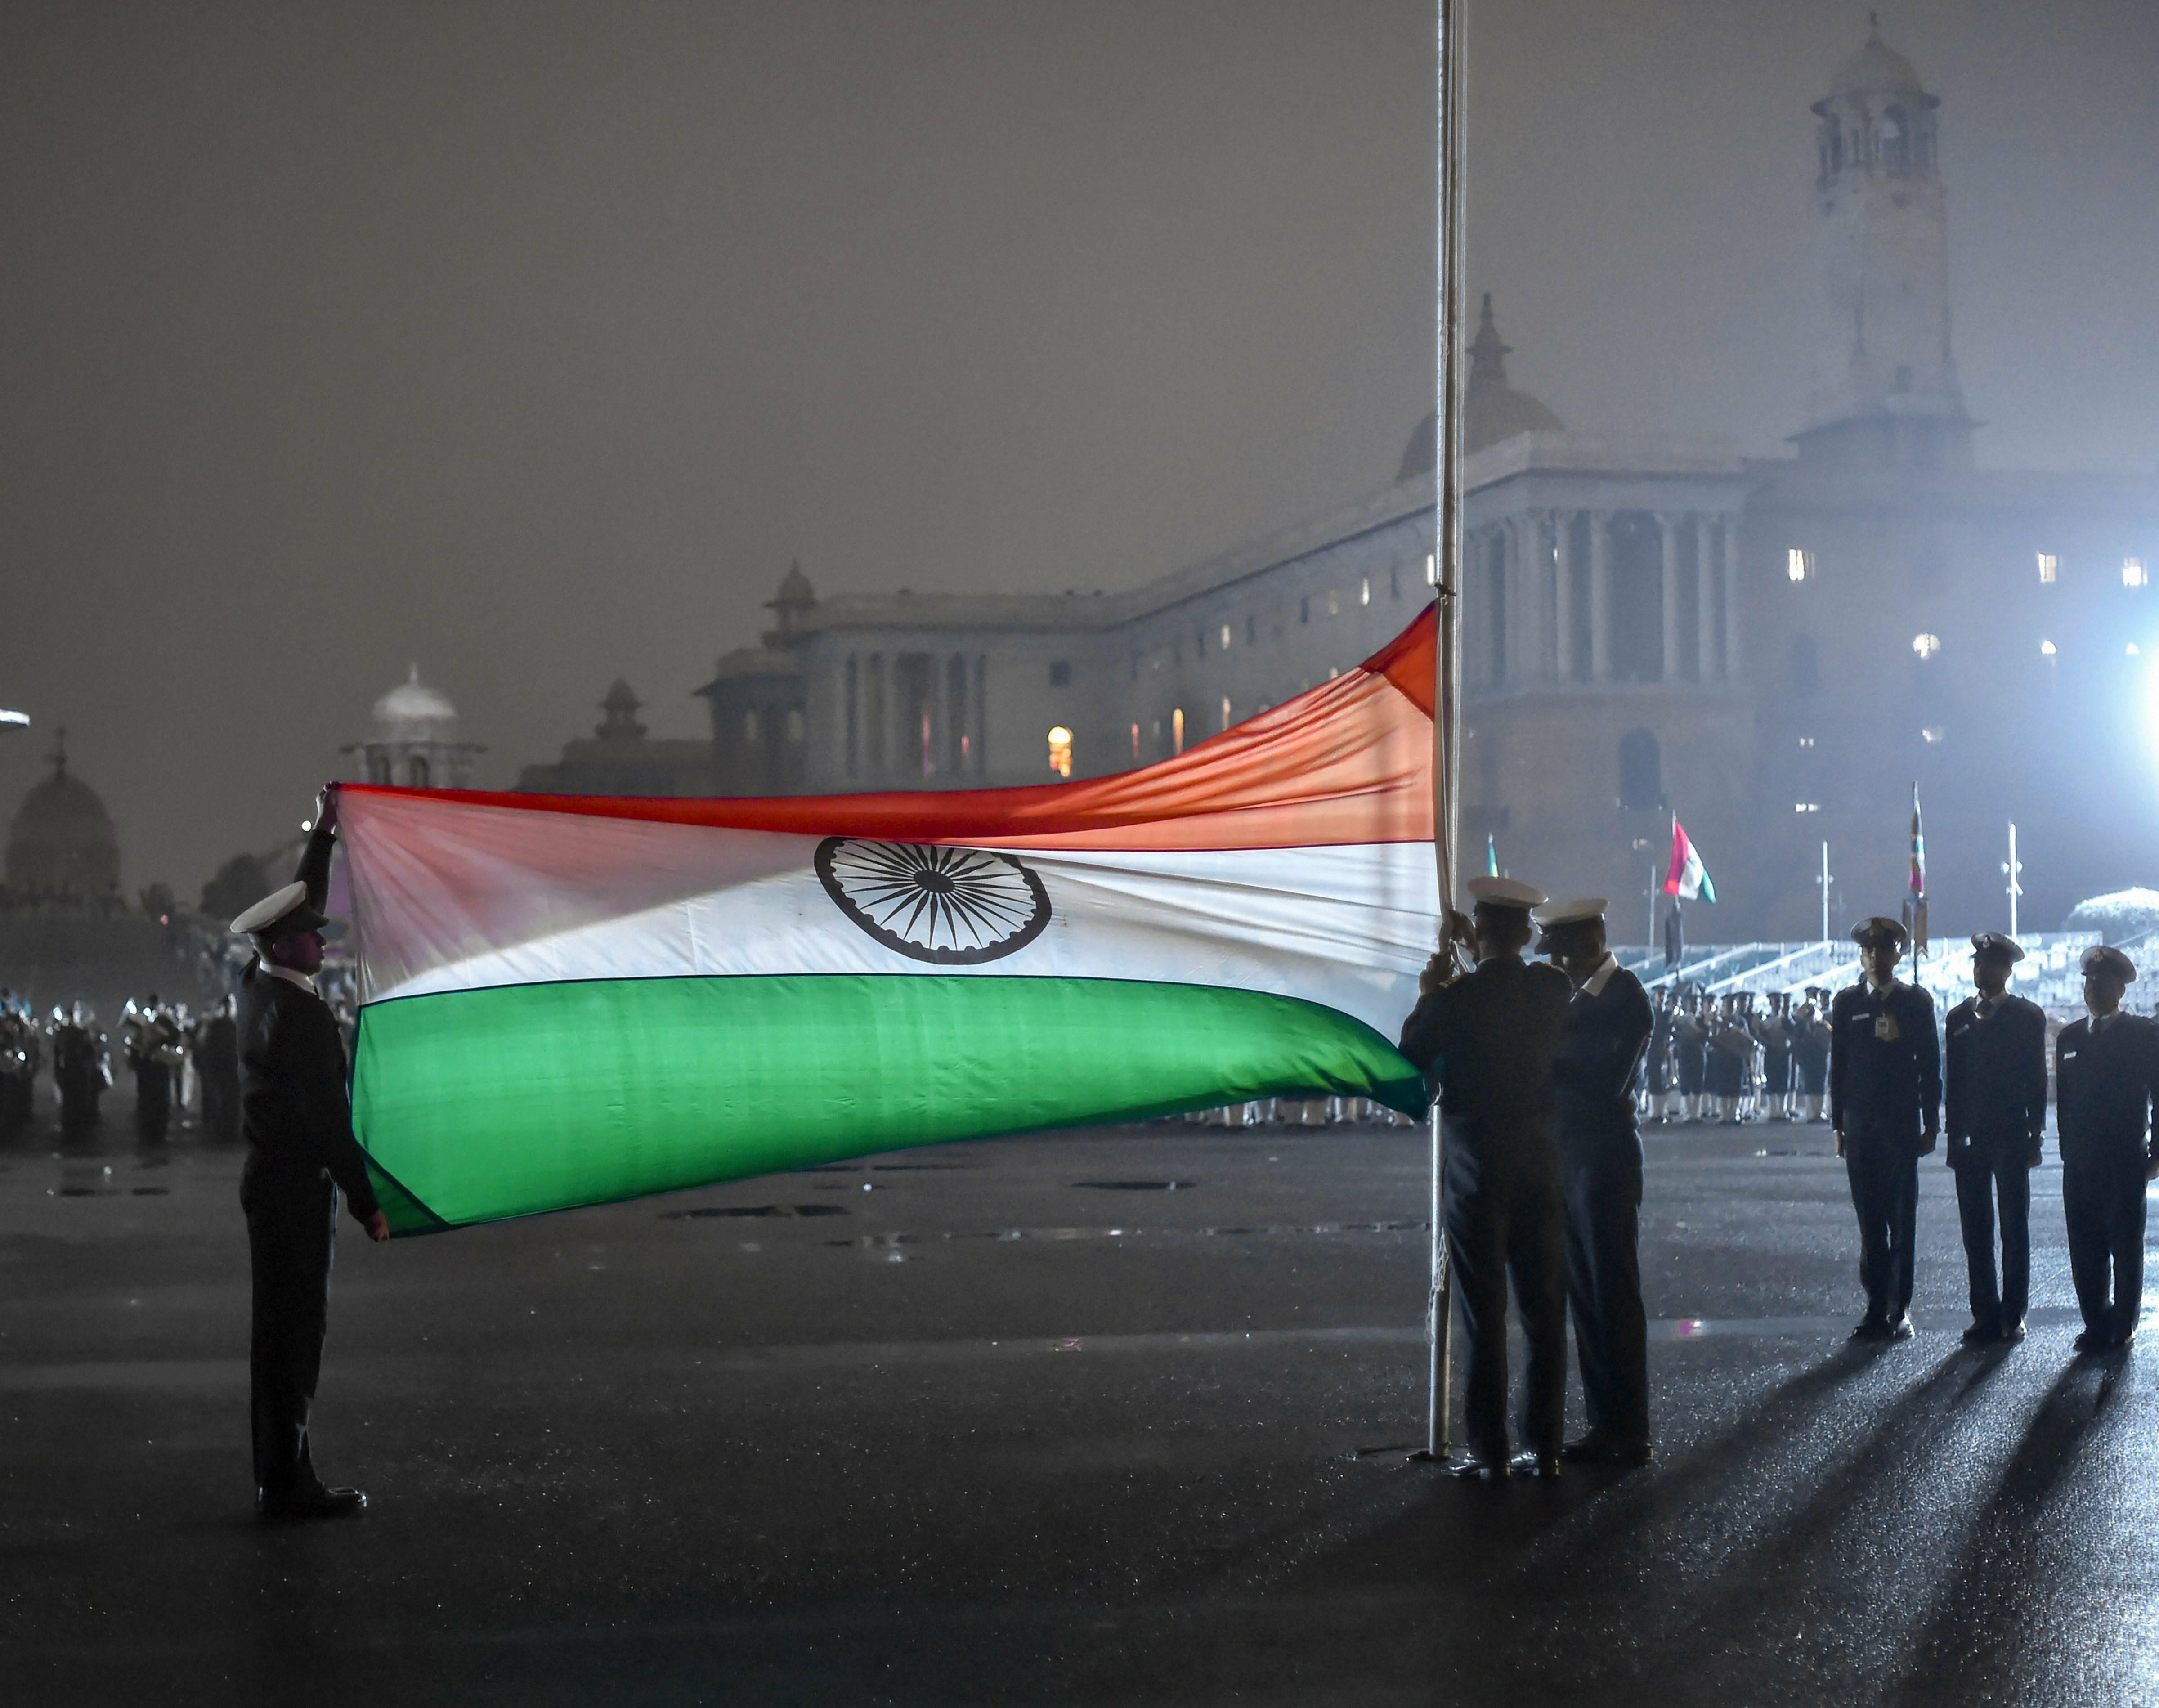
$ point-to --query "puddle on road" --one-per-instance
(710, 1210)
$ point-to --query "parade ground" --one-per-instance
(1112, 1416)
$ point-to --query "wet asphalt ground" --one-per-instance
(1100, 1417)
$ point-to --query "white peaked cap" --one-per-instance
(270, 909)
(1505, 892)
(1571, 912)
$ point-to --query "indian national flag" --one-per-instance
(568, 1001)
(1688, 879)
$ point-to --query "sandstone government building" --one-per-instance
(1775, 649)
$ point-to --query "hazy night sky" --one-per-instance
(531, 341)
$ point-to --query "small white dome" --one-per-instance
(410, 702)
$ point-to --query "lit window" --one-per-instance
(1225, 637)
(1806, 807)
(1431, 570)
(1933, 733)
(1806, 741)
(1176, 730)
(2050, 567)
(1060, 751)
(2045, 649)
(1926, 645)
(2133, 574)
(1799, 565)
(1333, 602)
(1225, 712)
(1364, 590)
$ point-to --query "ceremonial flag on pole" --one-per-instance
(1918, 880)
(1689, 877)
(569, 1001)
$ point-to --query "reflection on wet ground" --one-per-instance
(984, 1446)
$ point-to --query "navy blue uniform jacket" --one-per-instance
(1885, 1065)
(1996, 1083)
(2103, 1089)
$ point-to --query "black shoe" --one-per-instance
(315, 1503)
(1470, 1468)
(1544, 1465)
(1981, 1333)
(2090, 1340)
(2011, 1331)
(1872, 1328)
(1902, 1328)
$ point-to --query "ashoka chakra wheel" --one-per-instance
(953, 906)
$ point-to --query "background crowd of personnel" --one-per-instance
(1539, 1069)
(181, 1063)
(1735, 1056)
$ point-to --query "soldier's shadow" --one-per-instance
(1981, 1612)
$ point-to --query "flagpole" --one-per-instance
(1446, 664)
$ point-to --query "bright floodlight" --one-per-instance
(1926, 645)
(21, 717)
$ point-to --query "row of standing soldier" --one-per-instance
(1890, 1106)
(1535, 1069)
(159, 1044)
(1721, 1057)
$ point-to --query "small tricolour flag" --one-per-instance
(573, 999)
(1688, 879)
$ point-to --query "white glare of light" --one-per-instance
(2050, 567)
(1932, 732)
(1926, 645)
(2045, 649)
(1431, 570)
(21, 717)
(307, 823)
(2132, 652)
(2133, 573)
(1797, 564)
(1806, 807)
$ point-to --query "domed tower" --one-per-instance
(1884, 385)
(61, 848)
(1491, 410)
(415, 745)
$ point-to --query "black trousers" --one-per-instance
(1604, 1288)
(1979, 1184)
(1884, 1176)
(2102, 1203)
(1508, 1225)
(292, 1234)
(153, 1102)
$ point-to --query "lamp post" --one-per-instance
(1824, 880)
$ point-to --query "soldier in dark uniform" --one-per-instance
(1885, 1089)
(217, 1064)
(150, 1041)
(1485, 1041)
(81, 1069)
(298, 1123)
(1775, 1033)
(20, 1049)
(1690, 1054)
(1811, 1054)
(1657, 1069)
(1995, 1110)
(1600, 1157)
(2106, 1067)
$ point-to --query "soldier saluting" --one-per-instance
(298, 1123)
(1484, 1042)
(1601, 1047)
(1885, 1089)
(2105, 1067)
(1996, 1111)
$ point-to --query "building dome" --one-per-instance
(62, 841)
(1876, 69)
(1492, 410)
(412, 704)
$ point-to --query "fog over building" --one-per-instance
(1775, 649)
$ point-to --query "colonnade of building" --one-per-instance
(1565, 596)
(909, 716)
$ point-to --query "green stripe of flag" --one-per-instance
(480, 1105)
